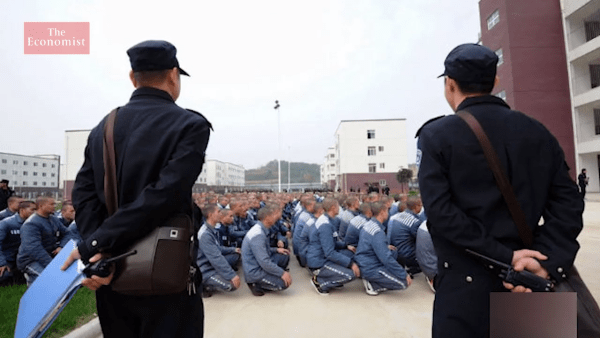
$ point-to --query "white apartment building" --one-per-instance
(328, 168)
(31, 176)
(582, 31)
(370, 152)
(218, 173)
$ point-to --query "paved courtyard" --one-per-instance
(350, 312)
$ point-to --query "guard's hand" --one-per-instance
(287, 278)
(93, 283)
(236, 282)
(355, 269)
(351, 248)
(520, 254)
(391, 247)
(238, 250)
(3, 269)
(408, 280)
(283, 251)
(529, 264)
(280, 244)
(56, 251)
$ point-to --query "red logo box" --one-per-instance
(57, 38)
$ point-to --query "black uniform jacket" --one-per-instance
(464, 206)
(160, 149)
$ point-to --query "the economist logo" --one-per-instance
(57, 38)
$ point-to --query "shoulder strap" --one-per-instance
(110, 165)
(501, 179)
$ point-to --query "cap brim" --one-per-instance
(444, 74)
(183, 72)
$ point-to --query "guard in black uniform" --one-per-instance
(466, 209)
(160, 149)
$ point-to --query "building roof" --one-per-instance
(368, 120)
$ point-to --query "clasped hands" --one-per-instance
(526, 259)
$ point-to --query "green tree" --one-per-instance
(404, 176)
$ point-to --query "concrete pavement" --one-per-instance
(350, 312)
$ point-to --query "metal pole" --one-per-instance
(289, 166)
(278, 143)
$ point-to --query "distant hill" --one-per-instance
(299, 173)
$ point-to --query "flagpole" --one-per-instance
(278, 143)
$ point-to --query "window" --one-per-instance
(34, 183)
(25, 162)
(35, 164)
(53, 183)
(595, 75)
(372, 167)
(3, 172)
(493, 19)
(4, 160)
(44, 184)
(597, 120)
(43, 174)
(371, 133)
(15, 162)
(53, 166)
(381, 165)
(15, 172)
(502, 95)
(24, 173)
(24, 182)
(371, 151)
(44, 165)
(331, 155)
(35, 173)
(382, 183)
(380, 148)
(500, 56)
(53, 174)
(592, 30)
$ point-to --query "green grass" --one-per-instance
(79, 311)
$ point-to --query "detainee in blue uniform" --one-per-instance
(230, 252)
(10, 240)
(217, 273)
(305, 215)
(402, 233)
(308, 229)
(375, 257)
(331, 268)
(356, 224)
(12, 208)
(42, 237)
(351, 211)
(259, 259)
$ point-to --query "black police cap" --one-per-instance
(471, 63)
(154, 55)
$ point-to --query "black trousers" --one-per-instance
(178, 315)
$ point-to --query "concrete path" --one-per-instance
(350, 312)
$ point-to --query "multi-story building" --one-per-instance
(582, 28)
(528, 38)
(31, 176)
(214, 173)
(370, 152)
(328, 169)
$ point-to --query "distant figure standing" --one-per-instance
(583, 182)
(5, 193)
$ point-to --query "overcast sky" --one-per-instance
(325, 61)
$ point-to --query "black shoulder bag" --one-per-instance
(588, 313)
(162, 262)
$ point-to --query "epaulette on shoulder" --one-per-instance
(428, 122)
(204, 117)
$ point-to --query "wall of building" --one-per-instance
(31, 176)
(583, 53)
(389, 142)
(534, 73)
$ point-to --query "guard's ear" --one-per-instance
(132, 78)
